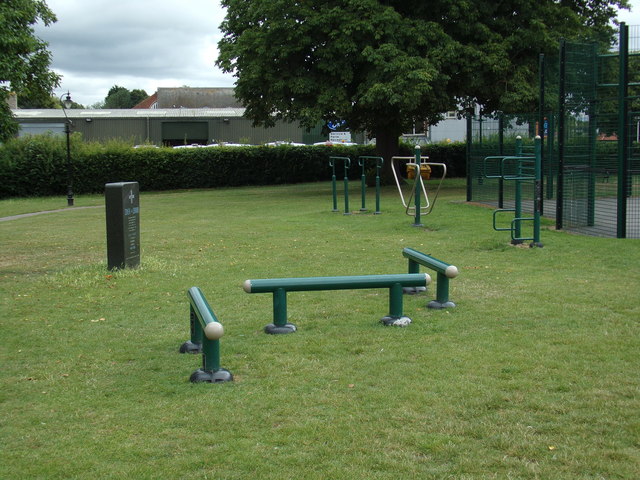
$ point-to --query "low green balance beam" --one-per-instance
(206, 332)
(280, 286)
(444, 271)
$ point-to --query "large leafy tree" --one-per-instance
(379, 65)
(24, 58)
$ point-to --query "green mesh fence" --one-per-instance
(591, 165)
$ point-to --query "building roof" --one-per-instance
(58, 113)
(148, 102)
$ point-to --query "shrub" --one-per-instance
(37, 165)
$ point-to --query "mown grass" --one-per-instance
(533, 375)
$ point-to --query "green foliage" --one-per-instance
(121, 97)
(379, 65)
(36, 165)
(24, 58)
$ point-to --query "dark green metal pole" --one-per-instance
(395, 300)
(418, 184)
(518, 195)
(363, 185)
(561, 134)
(379, 163)
(347, 164)
(623, 131)
(541, 118)
(334, 188)
(280, 307)
(537, 201)
(468, 158)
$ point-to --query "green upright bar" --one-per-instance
(363, 185)
(537, 201)
(518, 195)
(442, 288)
(623, 131)
(418, 184)
(280, 307)
(196, 328)
(395, 300)
(347, 164)
(334, 189)
(378, 167)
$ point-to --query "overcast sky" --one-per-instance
(144, 44)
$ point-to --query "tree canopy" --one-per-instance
(121, 97)
(379, 65)
(24, 58)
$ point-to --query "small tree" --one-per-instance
(24, 58)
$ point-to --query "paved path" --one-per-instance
(15, 217)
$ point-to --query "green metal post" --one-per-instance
(196, 328)
(591, 189)
(623, 131)
(280, 307)
(501, 152)
(334, 188)
(541, 118)
(468, 157)
(537, 201)
(347, 164)
(418, 184)
(414, 267)
(395, 300)
(379, 163)
(442, 288)
(363, 185)
(210, 355)
(518, 195)
(561, 134)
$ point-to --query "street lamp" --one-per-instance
(67, 103)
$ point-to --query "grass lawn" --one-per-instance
(534, 374)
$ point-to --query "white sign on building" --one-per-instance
(340, 137)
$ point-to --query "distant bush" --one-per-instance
(37, 165)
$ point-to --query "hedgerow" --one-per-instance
(37, 165)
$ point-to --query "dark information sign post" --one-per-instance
(122, 205)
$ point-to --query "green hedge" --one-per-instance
(36, 165)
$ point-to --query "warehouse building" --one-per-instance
(164, 126)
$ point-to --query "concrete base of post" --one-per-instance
(536, 245)
(190, 347)
(274, 329)
(204, 376)
(436, 305)
(413, 290)
(395, 321)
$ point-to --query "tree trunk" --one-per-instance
(387, 146)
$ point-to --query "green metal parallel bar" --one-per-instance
(280, 286)
(302, 284)
(203, 312)
(444, 271)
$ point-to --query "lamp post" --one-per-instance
(67, 103)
